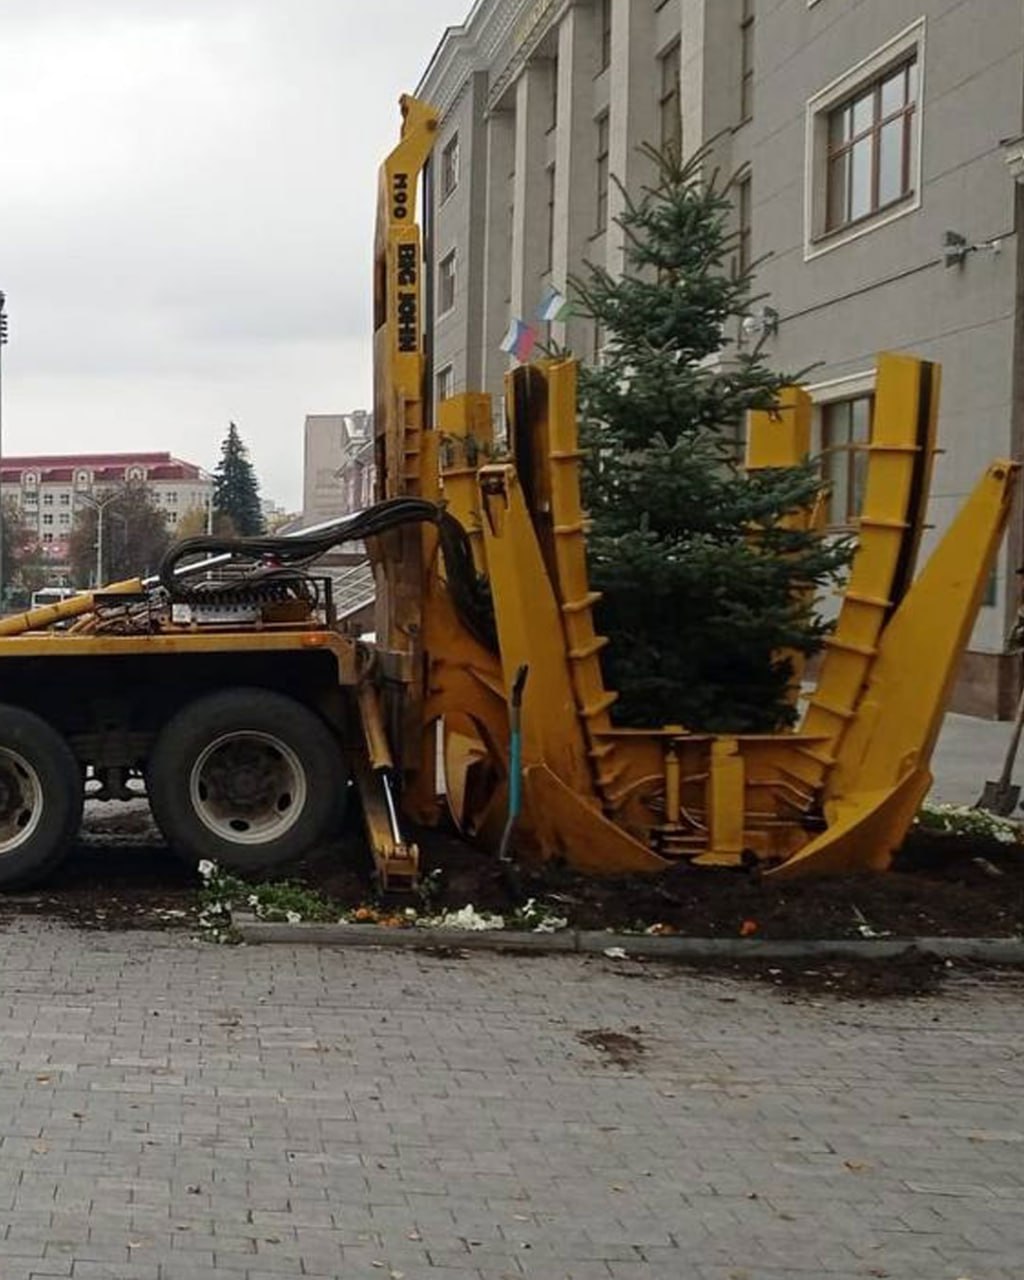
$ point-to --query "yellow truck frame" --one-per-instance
(250, 735)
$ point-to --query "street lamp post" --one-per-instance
(3, 343)
(208, 480)
(99, 505)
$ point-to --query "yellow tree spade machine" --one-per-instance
(230, 686)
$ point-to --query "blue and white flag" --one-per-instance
(554, 305)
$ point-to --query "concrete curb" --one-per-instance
(587, 942)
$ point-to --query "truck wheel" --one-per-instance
(247, 778)
(41, 797)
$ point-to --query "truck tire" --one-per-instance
(41, 795)
(247, 778)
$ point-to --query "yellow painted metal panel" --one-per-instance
(780, 437)
(530, 631)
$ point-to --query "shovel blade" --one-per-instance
(999, 798)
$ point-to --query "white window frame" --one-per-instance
(850, 386)
(817, 240)
(445, 383)
(450, 147)
(452, 258)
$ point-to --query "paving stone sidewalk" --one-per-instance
(174, 1111)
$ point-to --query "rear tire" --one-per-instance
(41, 797)
(247, 778)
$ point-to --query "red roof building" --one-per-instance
(46, 488)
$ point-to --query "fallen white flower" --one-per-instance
(207, 869)
(470, 918)
(552, 924)
(293, 917)
(615, 953)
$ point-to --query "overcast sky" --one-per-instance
(187, 192)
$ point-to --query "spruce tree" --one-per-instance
(236, 492)
(706, 585)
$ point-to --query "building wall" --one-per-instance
(49, 490)
(337, 473)
(526, 83)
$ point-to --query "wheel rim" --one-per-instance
(248, 787)
(21, 800)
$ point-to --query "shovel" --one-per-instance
(1001, 797)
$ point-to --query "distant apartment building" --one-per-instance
(338, 471)
(877, 149)
(49, 489)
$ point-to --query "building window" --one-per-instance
(171, 498)
(450, 167)
(845, 436)
(744, 224)
(602, 175)
(669, 105)
(445, 383)
(553, 95)
(65, 517)
(47, 537)
(446, 284)
(48, 518)
(862, 167)
(606, 34)
(551, 217)
(871, 147)
(65, 499)
(746, 61)
(47, 499)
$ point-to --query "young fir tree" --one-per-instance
(236, 493)
(706, 587)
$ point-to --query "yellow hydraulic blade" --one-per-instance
(899, 466)
(881, 771)
(572, 828)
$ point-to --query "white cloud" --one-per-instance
(186, 210)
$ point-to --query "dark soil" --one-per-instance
(940, 887)
(122, 876)
(616, 1047)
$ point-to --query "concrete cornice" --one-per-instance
(477, 45)
(466, 49)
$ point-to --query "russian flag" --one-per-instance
(519, 341)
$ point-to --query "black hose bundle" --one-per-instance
(277, 567)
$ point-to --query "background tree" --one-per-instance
(700, 610)
(191, 524)
(24, 569)
(235, 490)
(135, 537)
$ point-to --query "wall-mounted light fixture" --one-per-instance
(956, 248)
(1013, 154)
(761, 324)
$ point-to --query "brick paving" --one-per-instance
(174, 1111)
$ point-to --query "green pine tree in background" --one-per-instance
(236, 494)
(705, 587)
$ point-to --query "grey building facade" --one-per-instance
(862, 133)
(338, 468)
